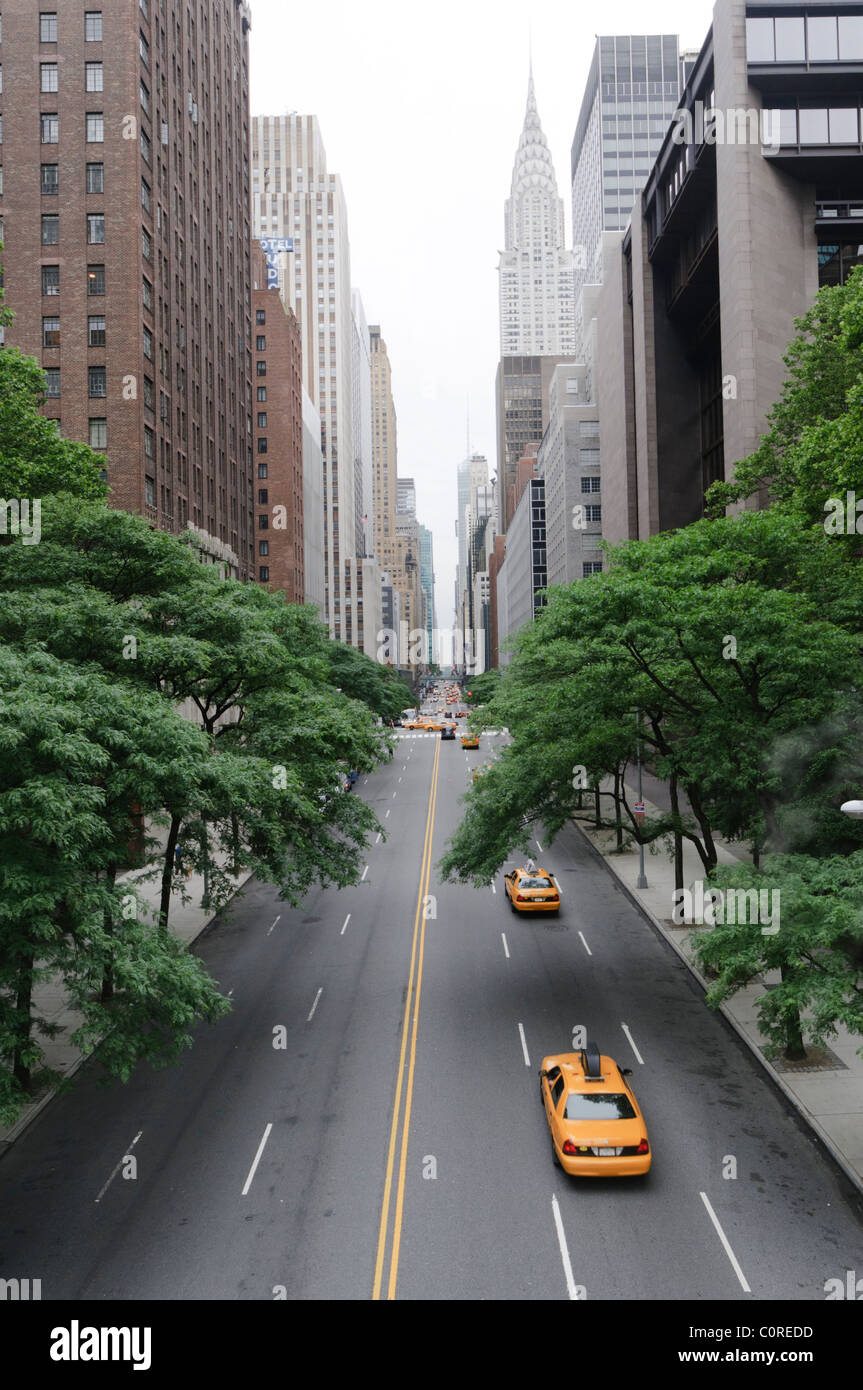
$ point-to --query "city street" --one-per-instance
(395, 1145)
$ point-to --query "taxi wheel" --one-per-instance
(557, 1161)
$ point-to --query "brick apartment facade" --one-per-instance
(125, 134)
(278, 435)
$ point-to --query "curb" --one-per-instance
(805, 1114)
(33, 1112)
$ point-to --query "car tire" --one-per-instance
(557, 1162)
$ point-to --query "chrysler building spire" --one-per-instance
(536, 270)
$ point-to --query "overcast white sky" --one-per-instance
(421, 107)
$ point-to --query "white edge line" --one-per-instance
(564, 1251)
(523, 1045)
(505, 947)
(315, 1005)
(725, 1245)
(386, 816)
(256, 1161)
(365, 871)
(378, 840)
(584, 944)
(278, 919)
(632, 1044)
(493, 889)
(119, 1165)
(347, 919)
(539, 846)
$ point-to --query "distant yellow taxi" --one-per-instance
(433, 725)
(470, 740)
(534, 890)
(597, 1128)
(414, 724)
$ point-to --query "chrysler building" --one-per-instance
(537, 291)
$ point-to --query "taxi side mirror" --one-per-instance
(626, 1071)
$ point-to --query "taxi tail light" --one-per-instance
(643, 1148)
(520, 898)
(569, 1147)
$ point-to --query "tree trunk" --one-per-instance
(597, 808)
(618, 821)
(23, 1021)
(168, 871)
(107, 991)
(795, 1048)
(678, 838)
(709, 857)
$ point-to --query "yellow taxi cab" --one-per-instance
(469, 740)
(533, 890)
(597, 1128)
(434, 726)
(414, 724)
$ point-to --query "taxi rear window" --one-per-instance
(535, 883)
(597, 1105)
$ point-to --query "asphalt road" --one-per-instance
(395, 1145)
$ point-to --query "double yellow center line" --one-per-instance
(405, 1073)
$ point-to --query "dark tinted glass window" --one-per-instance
(598, 1105)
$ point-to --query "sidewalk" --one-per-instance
(186, 922)
(827, 1087)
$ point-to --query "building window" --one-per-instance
(594, 513)
(145, 98)
(262, 470)
(260, 343)
(263, 496)
(591, 485)
(588, 457)
(262, 419)
(52, 382)
(97, 380)
(95, 280)
(51, 333)
(95, 128)
(96, 228)
(50, 127)
(148, 344)
(144, 50)
(263, 522)
(263, 547)
(98, 434)
(47, 27)
(264, 574)
(50, 279)
(149, 490)
(93, 26)
(262, 446)
(147, 293)
(149, 442)
(145, 195)
(591, 567)
(145, 146)
(95, 178)
(146, 244)
(96, 330)
(262, 393)
(48, 77)
(50, 229)
(261, 368)
(50, 180)
(93, 77)
(260, 316)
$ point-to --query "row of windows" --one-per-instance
(49, 28)
(813, 39)
(95, 331)
(95, 282)
(49, 179)
(49, 77)
(49, 128)
(51, 228)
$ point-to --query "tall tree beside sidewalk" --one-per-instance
(77, 750)
(810, 935)
(691, 629)
(103, 587)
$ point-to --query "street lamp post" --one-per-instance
(642, 880)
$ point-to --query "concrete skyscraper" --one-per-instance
(536, 287)
(295, 197)
(632, 92)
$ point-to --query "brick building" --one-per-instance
(125, 135)
(278, 436)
